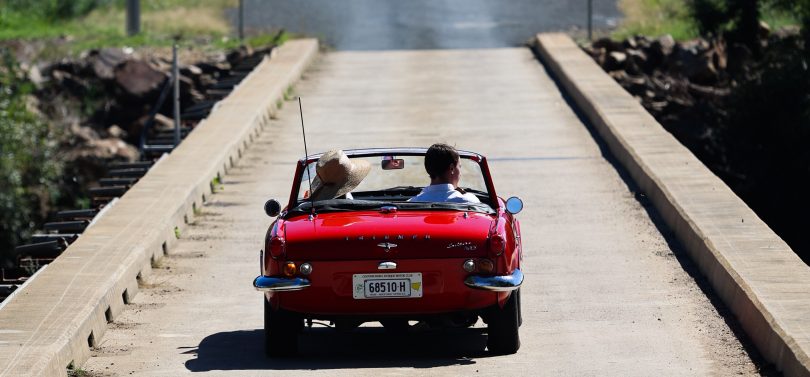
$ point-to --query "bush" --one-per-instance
(54, 10)
(29, 171)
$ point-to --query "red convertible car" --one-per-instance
(373, 255)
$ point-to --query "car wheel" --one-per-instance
(503, 337)
(281, 330)
(519, 308)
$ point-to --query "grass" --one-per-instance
(192, 23)
(658, 17)
(655, 17)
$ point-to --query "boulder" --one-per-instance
(104, 61)
(615, 61)
(637, 62)
(608, 44)
(238, 54)
(138, 79)
(695, 60)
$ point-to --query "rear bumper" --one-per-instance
(331, 290)
(502, 283)
(279, 284)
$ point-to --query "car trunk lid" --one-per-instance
(387, 235)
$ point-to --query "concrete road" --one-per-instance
(605, 294)
(425, 24)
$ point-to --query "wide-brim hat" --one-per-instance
(337, 175)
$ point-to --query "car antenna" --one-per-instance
(306, 154)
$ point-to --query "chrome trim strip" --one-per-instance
(387, 266)
(278, 284)
(503, 283)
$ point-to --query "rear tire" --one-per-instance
(503, 335)
(281, 330)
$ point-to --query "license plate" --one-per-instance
(402, 285)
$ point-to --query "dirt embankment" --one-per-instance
(743, 113)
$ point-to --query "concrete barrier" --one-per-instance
(55, 320)
(751, 269)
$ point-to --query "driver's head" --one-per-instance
(441, 163)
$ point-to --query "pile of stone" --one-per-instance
(99, 102)
(668, 77)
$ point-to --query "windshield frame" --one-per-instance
(380, 152)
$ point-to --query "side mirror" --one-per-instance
(272, 208)
(514, 205)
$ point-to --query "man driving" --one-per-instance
(442, 165)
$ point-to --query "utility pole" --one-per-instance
(133, 17)
(590, 20)
(241, 20)
(176, 83)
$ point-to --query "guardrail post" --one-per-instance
(241, 20)
(176, 82)
(590, 20)
(133, 17)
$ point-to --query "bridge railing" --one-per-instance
(56, 319)
(756, 274)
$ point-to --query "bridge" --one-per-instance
(638, 260)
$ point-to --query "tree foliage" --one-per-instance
(53, 10)
(29, 170)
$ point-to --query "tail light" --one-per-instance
(277, 247)
(496, 244)
(289, 269)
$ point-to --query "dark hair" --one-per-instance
(438, 158)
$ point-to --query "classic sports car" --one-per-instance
(375, 256)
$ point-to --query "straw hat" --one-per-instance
(337, 175)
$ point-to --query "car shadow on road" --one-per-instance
(326, 348)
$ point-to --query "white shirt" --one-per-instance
(444, 193)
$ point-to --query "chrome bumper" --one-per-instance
(504, 283)
(278, 284)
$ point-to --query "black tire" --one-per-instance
(281, 330)
(503, 335)
(519, 308)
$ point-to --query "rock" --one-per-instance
(67, 80)
(637, 62)
(619, 76)
(636, 85)
(695, 61)
(614, 61)
(630, 43)
(35, 76)
(237, 55)
(104, 61)
(138, 79)
(666, 43)
(764, 30)
(163, 122)
(738, 57)
(608, 44)
(598, 54)
(116, 132)
(191, 70)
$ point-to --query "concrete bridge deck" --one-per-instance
(605, 293)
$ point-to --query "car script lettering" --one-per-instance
(467, 245)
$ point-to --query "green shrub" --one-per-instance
(53, 10)
(29, 170)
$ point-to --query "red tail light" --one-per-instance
(276, 247)
(496, 244)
